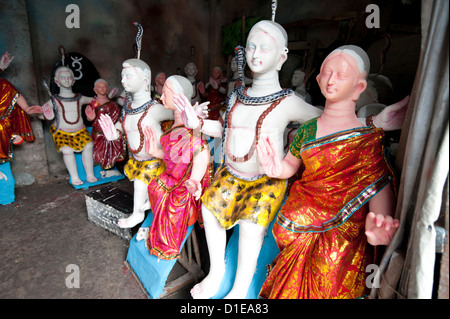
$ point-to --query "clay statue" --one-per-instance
(15, 124)
(241, 192)
(198, 86)
(106, 152)
(298, 82)
(160, 78)
(323, 235)
(68, 130)
(215, 93)
(175, 194)
(138, 112)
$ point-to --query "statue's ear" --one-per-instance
(361, 85)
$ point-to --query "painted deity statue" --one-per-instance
(198, 86)
(139, 111)
(106, 152)
(175, 194)
(323, 236)
(68, 130)
(298, 82)
(15, 125)
(215, 93)
(241, 192)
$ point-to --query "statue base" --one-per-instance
(98, 172)
(106, 205)
(152, 273)
(7, 185)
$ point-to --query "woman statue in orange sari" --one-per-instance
(15, 125)
(342, 205)
(175, 194)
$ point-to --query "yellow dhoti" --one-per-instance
(76, 140)
(231, 199)
(144, 171)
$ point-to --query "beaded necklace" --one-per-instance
(246, 157)
(139, 124)
(76, 98)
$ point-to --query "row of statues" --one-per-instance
(336, 212)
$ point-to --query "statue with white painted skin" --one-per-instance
(68, 130)
(241, 192)
(139, 111)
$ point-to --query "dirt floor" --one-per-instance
(45, 237)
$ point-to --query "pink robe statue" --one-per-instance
(174, 207)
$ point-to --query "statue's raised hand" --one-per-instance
(189, 114)
(108, 128)
(269, 158)
(392, 116)
(151, 145)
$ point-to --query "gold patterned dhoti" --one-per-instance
(144, 171)
(231, 199)
(76, 140)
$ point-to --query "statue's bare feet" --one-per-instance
(209, 286)
(109, 173)
(133, 220)
(18, 140)
(76, 181)
(91, 179)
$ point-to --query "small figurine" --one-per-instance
(344, 198)
(236, 79)
(68, 130)
(298, 82)
(106, 152)
(198, 86)
(175, 194)
(160, 78)
(215, 93)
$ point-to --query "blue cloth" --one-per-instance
(97, 171)
(7, 185)
(151, 271)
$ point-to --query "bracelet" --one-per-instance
(369, 120)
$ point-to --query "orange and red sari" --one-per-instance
(174, 207)
(320, 230)
(13, 120)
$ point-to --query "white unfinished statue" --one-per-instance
(138, 112)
